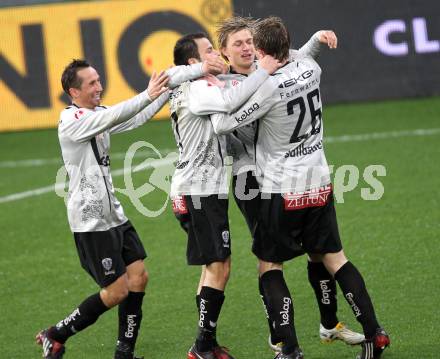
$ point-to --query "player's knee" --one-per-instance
(226, 271)
(334, 261)
(137, 282)
(143, 279)
(264, 267)
(217, 273)
(114, 296)
(120, 295)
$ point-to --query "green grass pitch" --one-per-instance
(395, 242)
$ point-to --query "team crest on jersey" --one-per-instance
(78, 114)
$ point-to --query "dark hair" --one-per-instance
(186, 48)
(70, 78)
(271, 36)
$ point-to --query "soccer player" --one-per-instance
(236, 45)
(199, 186)
(108, 245)
(297, 213)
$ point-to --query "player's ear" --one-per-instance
(193, 60)
(224, 52)
(260, 53)
(74, 92)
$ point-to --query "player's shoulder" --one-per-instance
(231, 76)
(198, 84)
(306, 59)
(197, 88)
(299, 64)
(179, 91)
(285, 69)
(72, 113)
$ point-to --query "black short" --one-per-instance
(247, 197)
(205, 220)
(285, 234)
(105, 255)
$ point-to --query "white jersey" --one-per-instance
(289, 149)
(240, 143)
(84, 137)
(200, 169)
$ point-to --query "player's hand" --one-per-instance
(328, 37)
(157, 84)
(269, 63)
(215, 66)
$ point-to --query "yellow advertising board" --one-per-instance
(125, 40)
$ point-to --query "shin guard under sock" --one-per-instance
(324, 286)
(86, 314)
(280, 307)
(355, 292)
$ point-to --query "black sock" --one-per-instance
(214, 331)
(273, 336)
(355, 292)
(130, 317)
(198, 303)
(325, 291)
(211, 301)
(280, 306)
(86, 314)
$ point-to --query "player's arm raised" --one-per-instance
(206, 99)
(183, 73)
(253, 109)
(157, 90)
(85, 123)
(312, 47)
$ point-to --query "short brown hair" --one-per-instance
(272, 36)
(231, 26)
(70, 77)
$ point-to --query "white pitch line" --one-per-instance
(116, 173)
(37, 162)
(382, 135)
(167, 161)
(31, 193)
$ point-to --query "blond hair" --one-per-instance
(231, 26)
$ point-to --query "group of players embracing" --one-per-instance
(256, 101)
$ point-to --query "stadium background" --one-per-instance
(387, 51)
